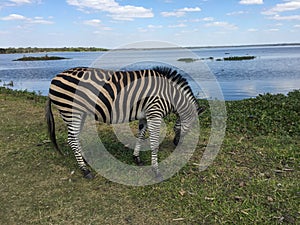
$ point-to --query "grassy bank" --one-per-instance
(39, 58)
(254, 179)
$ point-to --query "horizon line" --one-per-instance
(175, 47)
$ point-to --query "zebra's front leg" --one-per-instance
(74, 143)
(177, 131)
(140, 139)
(154, 132)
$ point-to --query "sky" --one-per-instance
(114, 23)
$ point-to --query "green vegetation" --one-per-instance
(231, 58)
(9, 84)
(187, 60)
(39, 58)
(235, 58)
(38, 50)
(255, 178)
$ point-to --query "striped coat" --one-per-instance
(120, 97)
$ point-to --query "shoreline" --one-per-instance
(16, 50)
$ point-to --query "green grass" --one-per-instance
(254, 179)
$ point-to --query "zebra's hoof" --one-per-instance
(138, 161)
(159, 177)
(88, 175)
(176, 141)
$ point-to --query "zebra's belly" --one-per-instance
(126, 116)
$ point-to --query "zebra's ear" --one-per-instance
(201, 109)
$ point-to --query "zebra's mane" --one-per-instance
(176, 77)
(171, 74)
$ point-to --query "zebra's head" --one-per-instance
(181, 130)
(184, 102)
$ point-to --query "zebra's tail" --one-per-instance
(51, 125)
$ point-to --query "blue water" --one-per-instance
(274, 70)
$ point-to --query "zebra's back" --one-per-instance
(113, 96)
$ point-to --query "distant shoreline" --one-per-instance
(217, 46)
(14, 50)
(27, 50)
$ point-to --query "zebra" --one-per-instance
(119, 97)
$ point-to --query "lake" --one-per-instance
(276, 69)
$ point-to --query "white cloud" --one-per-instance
(4, 32)
(12, 3)
(278, 17)
(251, 2)
(180, 12)
(207, 19)
(142, 30)
(13, 17)
(21, 1)
(18, 17)
(221, 24)
(198, 20)
(115, 10)
(96, 23)
(176, 13)
(180, 25)
(252, 30)
(273, 30)
(154, 26)
(102, 29)
(297, 26)
(93, 22)
(237, 13)
(283, 7)
(186, 9)
(40, 21)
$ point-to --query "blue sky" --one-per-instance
(113, 23)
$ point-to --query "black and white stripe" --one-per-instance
(120, 97)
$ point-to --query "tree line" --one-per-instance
(37, 50)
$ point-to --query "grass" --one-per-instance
(254, 179)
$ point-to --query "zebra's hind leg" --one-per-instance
(73, 141)
(74, 128)
(154, 132)
(140, 138)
